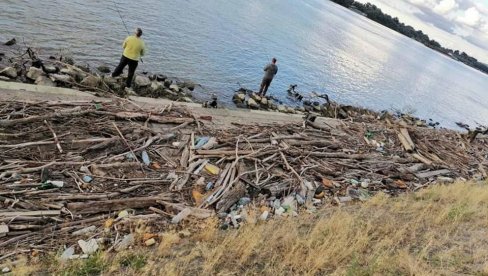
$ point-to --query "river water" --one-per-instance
(320, 46)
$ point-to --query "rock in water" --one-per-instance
(256, 97)
(9, 72)
(281, 108)
(252, 103)
(34, 73)
(91, 81)
(174, 87)
(45, 81)
(11, 42)
(142, 81)
(69, 60)
(239, 97)
(161, 78)
(104, 69)
(190, 85)
(264, 101)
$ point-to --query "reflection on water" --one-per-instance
(320, 46)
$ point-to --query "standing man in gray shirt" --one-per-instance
(269, 72)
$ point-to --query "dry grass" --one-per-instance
(438, 231)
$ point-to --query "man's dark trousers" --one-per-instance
(132, 69)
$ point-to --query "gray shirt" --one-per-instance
(270, 71)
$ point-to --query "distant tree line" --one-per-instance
(376, 14)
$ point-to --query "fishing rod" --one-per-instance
(123, 21)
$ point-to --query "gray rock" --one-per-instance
(50, 69)
(190, 85)
(104, 69)
(9, 72)
(239, 97)
(174, 87)
(167, 82)
(76, 74)
(169, 93)
(186, 92)
(91, 81)
(45, 81)
(142, 81)
(264, 101)
(187, 100)
(281, 108)
(69, 60)
(252, 103)
(34, 73)
(256, 97)
(161, 78)
(61, 78)
(157, 86)
(3, 78)
(290, 110)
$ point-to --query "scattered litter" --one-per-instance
(125, 243)
(68, 253)
(145, 158)
(88, 247)
(150, 242)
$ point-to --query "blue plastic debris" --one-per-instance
(209, 186)
(201, 141)
(145, 158)
(87, 179)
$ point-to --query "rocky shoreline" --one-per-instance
(23, 64)
(20, 64)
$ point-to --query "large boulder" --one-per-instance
(190, 85)
(174, 87)
(167, 82)
(45, 81)
(156, 86)
(34, 73)
(61, 78)
(239, 97)
(51, 69)
(256, 97)
(75, 73)
(281, 108)
(252, 103)
(91, 81)
(104, 69)
(186, 92)
(161, 77)
(264, 101)
(141, 81)
(9, 72)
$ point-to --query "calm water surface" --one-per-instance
(320, 46)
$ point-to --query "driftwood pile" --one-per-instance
(83, 170)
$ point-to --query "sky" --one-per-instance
(456, 24)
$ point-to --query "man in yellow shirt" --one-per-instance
(134, 49)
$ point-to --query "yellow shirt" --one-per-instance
(134, 47)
